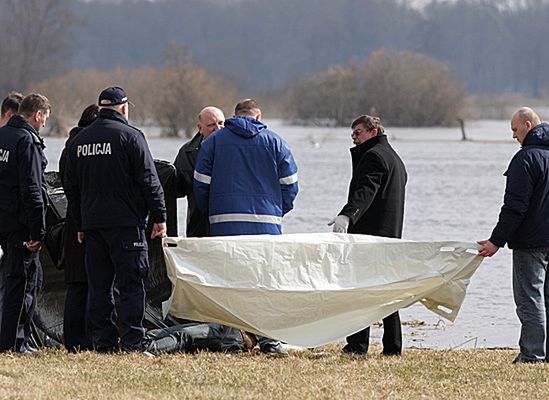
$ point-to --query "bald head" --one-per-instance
(523, 120)
(210, 119)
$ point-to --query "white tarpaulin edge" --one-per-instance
(312, 289)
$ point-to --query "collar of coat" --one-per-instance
(111, 114)
(17, 121)
(368, 144)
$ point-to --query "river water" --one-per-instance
(454, 192)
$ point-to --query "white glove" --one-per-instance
(340, 223)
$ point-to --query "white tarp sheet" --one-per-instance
(312, 289)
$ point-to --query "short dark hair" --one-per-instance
(11, 103)
(33, 103)
(247, 107)
(89, 115)
(369, 123)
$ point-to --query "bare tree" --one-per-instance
(186, 89)
(35, 40)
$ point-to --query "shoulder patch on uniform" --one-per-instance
(4, 155)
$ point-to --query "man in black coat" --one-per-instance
(524, 225)
(375, 206)
(23, 202)
(112, 185)
(210, 120)
(75, 326)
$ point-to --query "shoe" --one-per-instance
(391, 353)
(275, 350)
(521, 359)
(28, 353)
(147, 353)
(349, 350)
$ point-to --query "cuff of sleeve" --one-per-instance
(350, 212)
(497, 241)
(159, 218)
(37, 235)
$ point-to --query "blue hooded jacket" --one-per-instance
(524, 217)
(245, 179)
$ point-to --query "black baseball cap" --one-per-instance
(112, 96)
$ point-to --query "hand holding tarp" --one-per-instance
(159, 230)
(340, 223)
(488, 249)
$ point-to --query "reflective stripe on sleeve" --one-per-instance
(202, 178)
(264, 219)
(288, 180)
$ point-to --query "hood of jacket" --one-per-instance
(538, 136)
(245, 126)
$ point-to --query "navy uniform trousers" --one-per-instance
(22, 276)
(392, 337)
(116, 256)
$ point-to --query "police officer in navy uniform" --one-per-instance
(111, 185)
(23, 201)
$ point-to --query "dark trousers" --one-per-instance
(116, 256)
(75, 321)
(194, 337)
(22, 281)
(392, 337)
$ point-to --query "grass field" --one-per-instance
(456, 374)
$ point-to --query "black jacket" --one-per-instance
(23, 194)
(375, 205)
(110, 178)
(524, 217)
(75, 271)
(197, 223)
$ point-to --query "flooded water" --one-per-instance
(454, 192)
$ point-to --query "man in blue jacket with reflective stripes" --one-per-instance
(245, 180)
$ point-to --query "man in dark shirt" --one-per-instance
(375, 206)
(210, 120)
(23, 201)
(524, 225)
(111, 185)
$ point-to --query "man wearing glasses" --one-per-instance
(375, 206)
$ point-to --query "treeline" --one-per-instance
(405, 88)
(492, 45)
(312, 59)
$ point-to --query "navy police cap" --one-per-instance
(112, 96)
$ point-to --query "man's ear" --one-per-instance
(374, 131)
(258, 116)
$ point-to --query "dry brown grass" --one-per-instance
(456, 374)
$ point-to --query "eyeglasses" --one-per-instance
(358, 131)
